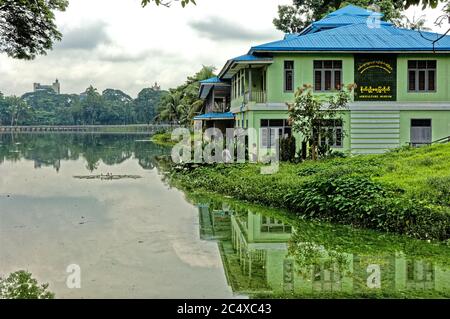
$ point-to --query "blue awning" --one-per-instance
(215, 116)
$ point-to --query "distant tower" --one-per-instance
(56, 87)
(156, 87)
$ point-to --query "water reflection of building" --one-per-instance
(214, 223)
(261, 256)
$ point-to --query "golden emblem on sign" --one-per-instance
(375, 65)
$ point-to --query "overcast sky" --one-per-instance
(118, 44)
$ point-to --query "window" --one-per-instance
(327, 75)
(271, 225)
(422, 76)
(331, 133)
(268, 129)
(421, 132)
(288, 76)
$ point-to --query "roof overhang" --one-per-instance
(232, 67)
(362, 50)
(205, 88)
(228, 116)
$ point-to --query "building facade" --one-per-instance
(56, 87)
(402, 78)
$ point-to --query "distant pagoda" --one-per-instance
(156, 87)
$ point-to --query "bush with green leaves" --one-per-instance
(398, 192)
(21, 285)
(287, 149)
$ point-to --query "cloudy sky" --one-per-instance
(118, 44)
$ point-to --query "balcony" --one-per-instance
(255, 96)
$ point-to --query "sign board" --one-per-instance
(376, 77)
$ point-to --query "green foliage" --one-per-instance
(287, 149)
(440, 188)
(308, 114)
(396, 192)
(27, 27)
(21, 285)
(14, 111)
(181, 104)
(146, 105)
(163, 139)
(168, 2)
(112, 107)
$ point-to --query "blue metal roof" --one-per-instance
(250, 58)
(342, 20)
(359, 37)
(243, 59)
(215, 116)
(207, 85)
(213, 80)
(291, 35)
(352, 10)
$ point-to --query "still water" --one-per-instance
(99, 202)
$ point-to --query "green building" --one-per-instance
(402, 78)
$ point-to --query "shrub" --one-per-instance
(21, 285)
(439, 187)
(288, 148)
(378, 192)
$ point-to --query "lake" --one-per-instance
(100, 203)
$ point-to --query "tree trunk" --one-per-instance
(314, 151)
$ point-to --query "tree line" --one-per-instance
(111, 107)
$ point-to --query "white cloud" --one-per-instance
(119, 44)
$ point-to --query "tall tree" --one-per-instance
(19, 111)
(309, 112)
(117, 107)
(185, 97)
(293, 18)
(146, 104)
(92, 106)
(27, 27)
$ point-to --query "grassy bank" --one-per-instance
(405, 191)
(163, 139)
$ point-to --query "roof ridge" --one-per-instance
(358, 36)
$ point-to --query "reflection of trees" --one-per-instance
(50, 149)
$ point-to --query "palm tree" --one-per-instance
(171, 106)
